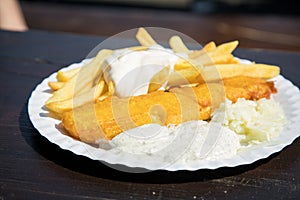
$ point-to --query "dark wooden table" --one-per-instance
(253, 30)
(33, 168)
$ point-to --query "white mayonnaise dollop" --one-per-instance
(131, 71)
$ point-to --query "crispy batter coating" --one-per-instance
(113, 115)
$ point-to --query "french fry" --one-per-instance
(223, 59)
(191, 63)
(211, 54)
(102, 97)
(64, 76)
(159, 79)
(55, 85)
(105, 92)
(203, 60)
(111, 88)
(184, 77)
(221, 71)
(145, 38)
(91, 95)
(182, 64)
(138, 48)
(177, 45)
(226, 48)
(211, 46)
(83, 81)
(215, 57)
(231, 70)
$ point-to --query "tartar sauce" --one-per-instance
(187, 142)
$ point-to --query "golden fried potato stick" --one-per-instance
(210, 52)
(91, 95)
(222, 54)
(138, 48)
(177, 45)
(64, 76)
(183, 64)
(218, 59)
(262, 71)
(221, 71)
(83, 81)
(111, 88)
(102, 97)
(55, 85)
(226, 48)
(211, 46)
(184, 77)
(159, 79)
(222, 59)
(206, 60)
(144, 38)
(203, 61)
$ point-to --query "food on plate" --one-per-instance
(64, 76)
(144, 38)
(124, 89)
(214, 72)
(165, 137)
(84, 81)
(85, 97)
(246, 123)
(177, 45)
(160, 107)
(256, 121)
(55, 85)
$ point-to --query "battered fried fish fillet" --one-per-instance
(108, 118)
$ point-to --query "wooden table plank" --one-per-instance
(268, 31)
(33, 168)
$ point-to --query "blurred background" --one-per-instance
(263, 24)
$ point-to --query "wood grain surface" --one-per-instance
(267, 31)
(33, 168)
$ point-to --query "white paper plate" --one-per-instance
(288, 96)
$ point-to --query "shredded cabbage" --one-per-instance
(257, 121)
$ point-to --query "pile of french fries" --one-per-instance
(78, 86)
